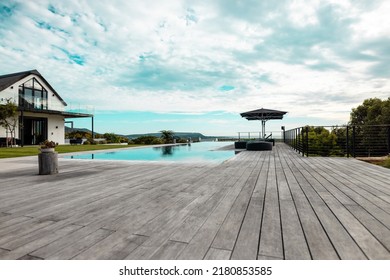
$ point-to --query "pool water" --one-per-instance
(194, 152)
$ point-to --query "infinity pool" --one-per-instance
(194, 152)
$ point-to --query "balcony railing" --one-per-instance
(344, 141)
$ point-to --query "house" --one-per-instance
(42, 111)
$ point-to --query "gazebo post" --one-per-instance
(263, 129)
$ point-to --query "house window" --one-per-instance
(32, 95)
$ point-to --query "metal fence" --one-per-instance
(354, 141)
(256, 135)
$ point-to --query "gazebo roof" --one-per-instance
(263, 115)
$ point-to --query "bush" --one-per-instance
(386, 163)
(157, 141)
(145, 140)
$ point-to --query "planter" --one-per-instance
(48, 161)
(240, 145)
(47, 150)
(259, 146)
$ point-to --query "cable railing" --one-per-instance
(343, 141)
(256, 135)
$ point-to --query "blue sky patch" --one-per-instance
(226, 88)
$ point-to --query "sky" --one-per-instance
(193, 66)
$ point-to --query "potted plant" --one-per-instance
(48, 158)
(47, 146)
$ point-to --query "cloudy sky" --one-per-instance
(184, 65)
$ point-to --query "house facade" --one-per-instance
(42, 111)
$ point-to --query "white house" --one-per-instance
(41, 109)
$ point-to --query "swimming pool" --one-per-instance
(194, 152)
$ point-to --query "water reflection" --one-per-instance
(169, 151)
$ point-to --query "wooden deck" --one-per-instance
(259, 205)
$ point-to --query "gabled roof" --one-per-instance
(263, 114)
(10, 79)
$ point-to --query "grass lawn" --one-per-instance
(34, 150)
(385, 163)
(382, 161)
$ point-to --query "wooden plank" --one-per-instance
(3, 252)
(341, 240)
(115, 247)
(318, 242)
(227, 234)
(264, 257)
(170, 250)
(271, 243)
(27, 229)
(80, 245)
(35, 244)
(150, 246)
(377, 229)
(224, 183)
(200, 243)
(294, 240)
(246, 247)
(12, 221)
(218, 254)
(29, 257)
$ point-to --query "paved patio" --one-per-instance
(258, 205)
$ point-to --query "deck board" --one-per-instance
(257, 205)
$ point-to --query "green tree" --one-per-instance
(167, 136)
(371, 122)
(9, 118)
(373, 111)
(323, 142)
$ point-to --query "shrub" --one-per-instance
(145, 140)
(157, 141)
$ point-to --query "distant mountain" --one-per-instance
(68, 130)
(184, 135)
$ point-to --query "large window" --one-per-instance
(32, 95)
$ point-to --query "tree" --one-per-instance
(9, 118)
(371, 122)
(373, 111)
(167, 136)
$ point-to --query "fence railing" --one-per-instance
(352, 140)
(256, 135)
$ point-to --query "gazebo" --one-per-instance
(263, 115)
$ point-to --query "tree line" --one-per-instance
(366, 134)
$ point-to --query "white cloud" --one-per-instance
(174, 56)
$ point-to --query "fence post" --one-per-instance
(347, 142)
(299, 140)
(388, 139)
(294, 140)
(307, 141)
(353, 141)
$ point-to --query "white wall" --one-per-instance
(56, 129)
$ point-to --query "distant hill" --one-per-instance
(184, 135)
(68, 130)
